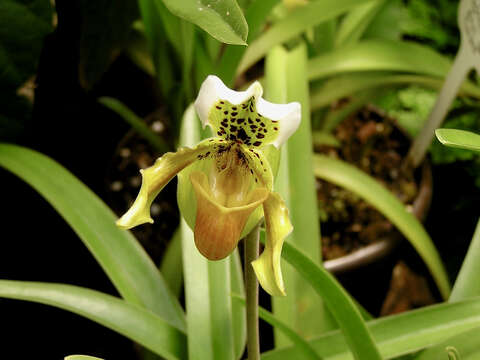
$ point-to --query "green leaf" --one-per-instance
(324, 138)
(208, 285)
(24, 25)
(159, 26)
(256, 15)
(460, 139)
(358, 182)
(221, 19)
(286, 81)
(171, 266)
(380, 55)
(119, 254)
(303, 346)
(463, 346)
(239, 323)
(105, 31)
(344, 85)
(130, 320)
(398, 334)
(81, 357)
(467, 284)
(135, 122)
(340, 304)
(298, 21)
(336, 116)
(356, 22)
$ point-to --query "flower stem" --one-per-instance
(251, 290)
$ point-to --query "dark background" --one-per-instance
(71, 127)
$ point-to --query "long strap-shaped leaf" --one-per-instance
(386, 55)
(130, 320)
(123, 259)
(355, 180)
(215, 326)
(463, 346)
(347, 84)
(297, 22)
(339, 303)
(399, 334)
(301, 309)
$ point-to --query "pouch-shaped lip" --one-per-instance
(217, 227)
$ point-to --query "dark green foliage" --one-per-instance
(434, 22)
(106, 27)
(411, 106)
(23, 27)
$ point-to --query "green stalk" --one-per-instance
(251, 293)
(135, 122)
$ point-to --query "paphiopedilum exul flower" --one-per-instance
(226, 182)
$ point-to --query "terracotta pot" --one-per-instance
(380, 249)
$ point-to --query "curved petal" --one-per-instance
(286, 116)
(218, 228)
(213, 90)
(267, 266)
(154, 180)
(244, 116)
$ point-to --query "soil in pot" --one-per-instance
(373, 143)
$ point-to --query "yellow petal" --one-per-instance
(267, 266)
(154, 180)
(218, 228)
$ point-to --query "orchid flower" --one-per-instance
(226, 182)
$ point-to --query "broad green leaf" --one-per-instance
(208, 285)
(356, 22)
(298, 21)
(463, 346)
(221, 19)
(341, 305)
(358, 182)
(81, 357)
(460, 139)
(132, 321)
(344, 85)
(398, 334)
(135, 122)
(380, 55)
(302, 345)
(285, 82)
(467, 284)
(122, 258)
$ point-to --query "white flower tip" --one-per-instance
(287, 115)
(213, 89)
(207, 97)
